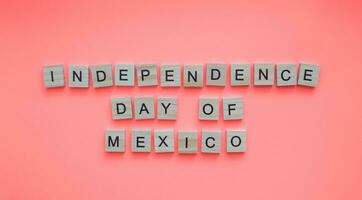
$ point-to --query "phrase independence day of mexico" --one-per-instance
(170, 76)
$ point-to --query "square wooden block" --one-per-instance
(170, 75)
(208, 108)
(147, 74)
(53, 76)
(78, 76)
(216, 74)
(236, 140)
(286, 74)
(233, 108)
(308, 75)
(141, 140)
(211, 141)
(144, 107)
(187, 142)
(164, 141)
(102, 75)
(240, 74)
(264, 74)
(122, 108)
(124, 75)
(193, 75)
(167, 108)
(115, 140)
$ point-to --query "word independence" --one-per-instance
(170, 75)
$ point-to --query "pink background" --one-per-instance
(303, 143)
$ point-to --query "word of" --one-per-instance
(163, 141)
(144, 108)
(170, 75)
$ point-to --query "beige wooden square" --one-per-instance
(211, 141)
(170, 75)
(164, 140)
(115, 140)
(53, 76)
(216, 74)
(193, 75)
(144, 108)
(147, 75)
(209, 108)
(187, 142)
(236, 140)
(102, 75)
(308, 75)
(233, 108)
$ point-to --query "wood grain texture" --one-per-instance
(53, 76)
(122, 108)
(211, 141)
(124, 74)
(144, 108)
(208, 108)
(192, 72)
(187, 142)
(102, 75)
(308, 75)
(170, 75)
(164, 140)
(217, 71)
(78, 76)
(236, 140)
(115, 140)
(147, 75)
(261, 70)
(141, 140)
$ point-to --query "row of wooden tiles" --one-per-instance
(164, 141)
(144, 108)
(170, 75)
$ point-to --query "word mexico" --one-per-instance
(170, 75)
(163, 141)
(144, 108)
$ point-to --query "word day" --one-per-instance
(144, 108)
(170, 75)
(163, 141)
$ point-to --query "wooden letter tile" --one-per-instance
(164, 141)
(102, 75)
(286, 74)
(308, 75)
(53, 76)
(124, 75)
(144, 108)
(115, 140)
(236, 140)
(211, 141)
(147, 74)
(239, 74)
(216, 74)
(208, 108)
(264, 74)
(78, 76)
(187, 142)
(193, 75)
(122, 108)
(141, 140)
(167, 108)
(170, 75)
(233, 108)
